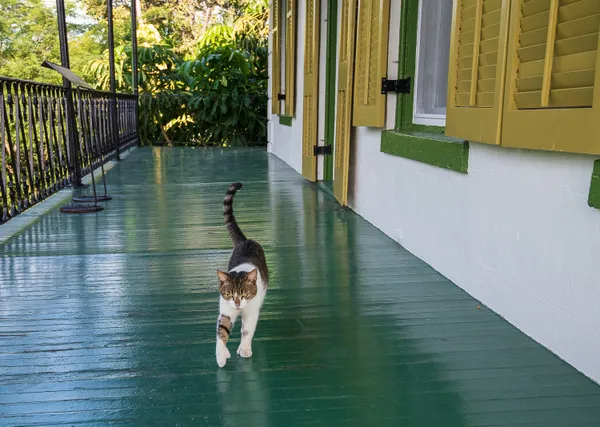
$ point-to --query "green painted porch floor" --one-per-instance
(110, 317)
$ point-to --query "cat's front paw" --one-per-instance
(222, 354)
(245, 352)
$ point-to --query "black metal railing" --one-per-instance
(40, 154)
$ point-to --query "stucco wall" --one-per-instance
(516, 232)
(285, 141)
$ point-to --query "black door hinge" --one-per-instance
(281, 96)
(397, 86)
(322, 149)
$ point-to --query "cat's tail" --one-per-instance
(235, 233)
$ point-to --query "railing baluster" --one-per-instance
(61, 139)
(37, 100)
(14, 190)
(105, 135)
(21, 186)
(63, 149)
(6, 208)
(29, 183)
(90, 134)
(107, 125)
(56, 166)
(27, 110)
(82, 148)
(45, 117)
(37, 160)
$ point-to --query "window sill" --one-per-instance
(435, 150)
(594, 198)
(285, 120)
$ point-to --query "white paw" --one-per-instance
(222, 354)
(244, 351)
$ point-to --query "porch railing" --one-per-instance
(39, 156)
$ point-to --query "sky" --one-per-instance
(81, 18)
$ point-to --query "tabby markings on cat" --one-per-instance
(243, 287)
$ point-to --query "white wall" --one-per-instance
(285, 141)
(515, 233)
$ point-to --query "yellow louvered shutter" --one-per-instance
(552, 97)
(344, 101)
(371, 62)
(311, 89)
(290, 57)
(477, 70)
(275, 58)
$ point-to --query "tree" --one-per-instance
(202, 63)
(28, 36)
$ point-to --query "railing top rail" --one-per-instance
(106, 93)
(11, 80)
(43, 85)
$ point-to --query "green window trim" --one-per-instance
(407, 66)
(330, 85)
(426, 144)
(435, 150)
(285, 120)
(594, 198)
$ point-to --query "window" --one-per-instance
(525, 74)
(372, 30)
(421, 113)
(477, 71)
(552, 97)
(283, 27)
(425, 49)
(522, 74)
(433, 47)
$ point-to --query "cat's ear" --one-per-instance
(223, 277)
(251, 277)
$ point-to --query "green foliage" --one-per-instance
(202, 63)
(228, 95)
(28, 36)
(217, 35)
(217, 96)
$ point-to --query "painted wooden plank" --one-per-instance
(344, 104)
(275, 14)
(310, 115)
(476, 82)
(290, 58)
(110, 318)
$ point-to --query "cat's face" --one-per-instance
(237, 288)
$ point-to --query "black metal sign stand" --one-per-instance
(91, 142)
(71, 121)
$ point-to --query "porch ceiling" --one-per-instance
(110, 317)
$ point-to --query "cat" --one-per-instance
(242, 288)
